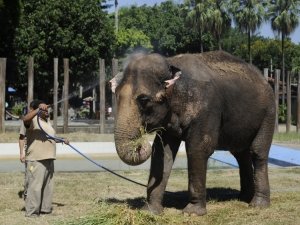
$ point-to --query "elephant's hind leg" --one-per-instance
(260, 152)
(244, 160)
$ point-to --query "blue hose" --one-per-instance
(58, 139)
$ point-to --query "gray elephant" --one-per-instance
(211, 101)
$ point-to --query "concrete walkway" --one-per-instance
(104, 153)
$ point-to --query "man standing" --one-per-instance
(40, 156)
(22, 147)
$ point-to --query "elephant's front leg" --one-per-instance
(164, 151)
(197, 153)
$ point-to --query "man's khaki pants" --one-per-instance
(40, 187)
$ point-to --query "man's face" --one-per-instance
(44, 114)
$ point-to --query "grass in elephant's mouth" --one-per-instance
(100, 198)
(143, 137)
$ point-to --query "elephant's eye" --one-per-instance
(143, 100)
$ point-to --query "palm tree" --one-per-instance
(218, 19)
(284, 16)
(116, 16)
(248, 16)
(197, 17)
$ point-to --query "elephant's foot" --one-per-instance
(260, 201)
(195, 209)
(156, 209)
(246, 196)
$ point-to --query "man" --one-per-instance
(40, 156)
(22, 147)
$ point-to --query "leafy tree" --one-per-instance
(78, 30)
(198, 17)
(165, 25)
(248, 16)
(131, 39)
(9, 20)
(265, 51)
(218, 19)
(10, 11)
(170, 35)
(233, 40)
(284, 15)
(268, 51)
(296, 64)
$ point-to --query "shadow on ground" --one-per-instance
(180, 199)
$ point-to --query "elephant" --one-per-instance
(211, 101)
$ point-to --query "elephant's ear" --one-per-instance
(175, 75)
(115, 81)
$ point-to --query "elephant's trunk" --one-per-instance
(133, 150)
(130, 136)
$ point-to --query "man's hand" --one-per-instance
(22, 157)
(66, 141)
(43, 107)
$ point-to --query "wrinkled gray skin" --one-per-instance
(218, 102)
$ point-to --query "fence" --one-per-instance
(65, 88)
(285, 91)
(282, 89)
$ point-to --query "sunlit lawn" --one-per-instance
(100, 198)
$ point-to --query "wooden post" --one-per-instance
(288, 101)
(276, 92)
(30, 88)
(66, 94)
(102, 94)
(55, 93)
(94, 100)
(115, 70)
(283, 89)
(298, 104)
(266, 73)
(2, 93)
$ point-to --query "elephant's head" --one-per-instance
(142, 105)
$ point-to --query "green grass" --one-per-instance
(101, 198)
(292, 137)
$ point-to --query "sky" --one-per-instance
(264, 31)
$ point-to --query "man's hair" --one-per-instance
(35, 104)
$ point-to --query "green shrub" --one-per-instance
(17, 109)
(282, 113)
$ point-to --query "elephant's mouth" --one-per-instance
(133, 151)
(138, 153)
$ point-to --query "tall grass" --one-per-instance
(292, 137)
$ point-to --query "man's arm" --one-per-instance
(29, 116)
(22, 141)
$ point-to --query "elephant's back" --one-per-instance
(226, 71)
(229, 67)
(219, 66)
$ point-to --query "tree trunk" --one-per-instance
(276, 93)
(283, 67)
(201, 44)
(102, 94)
(298, 104)
(289, 116)
(30, 87)
(249, 46)
(55, 93)
(2, 93)
(66, 95)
